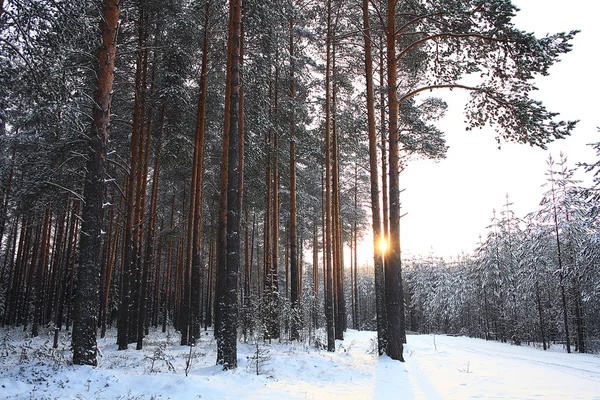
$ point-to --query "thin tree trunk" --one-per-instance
(384, 140)
(30, 267)
(13, 315)
(338, 254)
(375, 210)
(329, 306)
(107, 262)
(196, 273)
(40, 267)
(157, 282)
(221, 241)
(315, 274)
(560, 266)
(127, 297)
(274, 330)
(209, 286)
(354, 241)
(6, 195)
(57, 255)
(150, 238)
(90, 246)
(72, 263)
(168, 273)
(540, 314)
(251, 260)
(294, 278)
(180, 269)
(137, 282)
(579, 318)
(8, 267)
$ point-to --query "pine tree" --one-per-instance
(86, 305)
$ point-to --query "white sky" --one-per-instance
(449, 203)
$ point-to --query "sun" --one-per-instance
(382, 245)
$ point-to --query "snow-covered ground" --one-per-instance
(437, 367)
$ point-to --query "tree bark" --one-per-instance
(168, 273)
(228, 308)
(221, 241)
(40, 275)
(375, 209)
(293, 236)
(274, 330)
(329, 306)
(90, 247)
(196, 273)
(393, 267)
(7, 191)
(338, 254)
(130, 243)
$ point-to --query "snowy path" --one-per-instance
(463, 368)
(437, 367)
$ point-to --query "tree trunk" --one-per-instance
(141, 180)
(8, 267)
(393, 267)
(221, 241)
(150, 240)
(107, 261)
(6, 195)
(294, 276)
(30, 266)
(375, 210)
(209, 286)
(274, 330)
(540, 314)
(315, 274)
(579, 318)
(40, 274)
(560, 266)
(329, 306)
(196, 273)
(338, 254)
(130, 243)
(227, 299)
(90, 247)
(384, 162)
(354, 249)
(168, 273)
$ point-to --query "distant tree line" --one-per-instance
(533, 279)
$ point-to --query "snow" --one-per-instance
(436, 367)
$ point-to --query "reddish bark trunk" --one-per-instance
(90, 247)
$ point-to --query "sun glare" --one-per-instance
(382, 245)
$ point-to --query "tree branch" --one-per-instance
(413, 21)
(446, 35)
(378, 11)
(431, 87)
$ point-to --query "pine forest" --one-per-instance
(210, 168)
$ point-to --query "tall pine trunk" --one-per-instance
(196, 273)
(294, 275)
(375, 209)
(393, 267)
(90, 246)
(126, 319)
(227, 295)
(338, 254)
(221, 240)
(329, 306)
